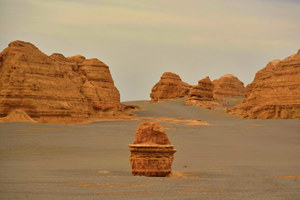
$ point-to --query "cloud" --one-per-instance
(222, 25)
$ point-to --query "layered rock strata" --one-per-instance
(228, 86)
(274, 93)
(151, 153)
(55, 88)
(169, 87)
(201, 95)
(17, 115)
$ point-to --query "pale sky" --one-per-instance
(141, 39)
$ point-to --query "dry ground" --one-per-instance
(230, 159)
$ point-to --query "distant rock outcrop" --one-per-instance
(169, 87)
(151, 153)
(55, 88)
(201, 95)
(228, 86)
(274, 93)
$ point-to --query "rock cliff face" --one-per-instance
(274, 93)
(55, 88)
(151, 153)
(228, 86)
(169, 87)
(201, 95)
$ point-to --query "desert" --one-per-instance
(171, 100)
(74, 144)
(231, 158)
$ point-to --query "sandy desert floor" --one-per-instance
(229, 159)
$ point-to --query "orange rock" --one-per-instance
(17, 116)
(76, 59)
(228, 86)
(151, 153)
(169, 87)
(150, 133)
(58, 57)
(54, 88)
(274, 93)
(201, 95)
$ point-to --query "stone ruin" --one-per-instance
(151, 153)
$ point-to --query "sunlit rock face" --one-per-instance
(151, 153)
(169, 87)
(228, 86)
(274, 93)
(55, 88)
(201, 95)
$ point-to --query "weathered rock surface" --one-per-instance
(169, 87)
(228, 86)
(17, 116)
(201, 95)
(55, 88)
(151, 153)
(274, 93)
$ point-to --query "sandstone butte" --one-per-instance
(228, 86)
(169, 87)
(201, 95)
(274, 93)
(151, 152)
(55, 88)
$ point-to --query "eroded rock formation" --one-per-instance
(274, 93)
(55, 88)
(17, 116)
(169, 87)
(228, 86)
(201, 95)
(151, 153)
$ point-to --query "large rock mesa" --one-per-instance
(274, 93)
(55, 88)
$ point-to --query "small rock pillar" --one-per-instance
(151, 153)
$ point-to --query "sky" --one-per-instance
(141, 39)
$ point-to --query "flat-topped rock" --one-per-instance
(151, 152)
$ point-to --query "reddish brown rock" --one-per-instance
(169, 87)
(201, 95)
(54, 88)
(228, 86)
(151, 153)
(17, 116)
(274, 93)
